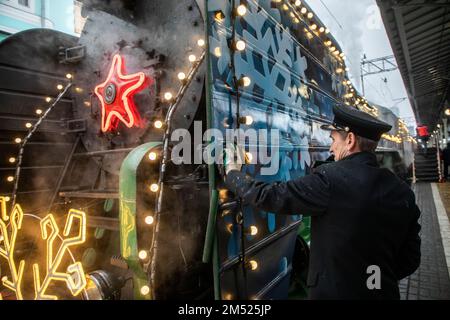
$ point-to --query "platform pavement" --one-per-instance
(431, 281)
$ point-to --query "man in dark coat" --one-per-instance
(364, 228)
(446, 158)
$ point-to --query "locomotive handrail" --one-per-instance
(164, 161)
(127, 213)
(102, 152)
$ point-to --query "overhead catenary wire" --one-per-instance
(332, 15)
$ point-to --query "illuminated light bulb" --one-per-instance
(182, 76)
(78, 90)
(149, 220)
(245, 81)
(298, 3)
(296, 20)
(310, 15)
(342, 54)
(248, 157)
(332, 49)
(327, 31)
(158, 124)
(314, 27)
(336, 52)
(7, 199)
(28, 125)
(228, 296)
(10, 179)
(253, 230)
(12, 160)
(339, 70)
(347, 69)
(217, 52)
(192, 58)
(48, 99)
(285, 7)
(247, 120)
(145, 290)
(322, 29)
(219, 16)
(143, 255)
(168, 96)
(87, 103)
(17, 140)
(447, 112)
(241, 10)
(38, 111)
(240, 45)
(152, 156)
(154, 187)
(69, 76)
(328, 43)
(223, 193)
(304, 10)
(59, 87)
(252, 265)
(201, 42)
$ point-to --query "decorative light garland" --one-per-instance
(158, 188)
(33, 129)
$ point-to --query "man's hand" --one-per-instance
(234, 156)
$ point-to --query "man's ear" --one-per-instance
(351, 141)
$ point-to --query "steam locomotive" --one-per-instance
(93, 121)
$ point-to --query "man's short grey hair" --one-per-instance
(364, 144)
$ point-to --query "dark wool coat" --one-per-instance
(361, 216)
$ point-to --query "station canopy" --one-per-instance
(419, 32)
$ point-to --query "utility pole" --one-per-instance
(43, 13)
(376, 66)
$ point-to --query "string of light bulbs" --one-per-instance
(33, 129)
(158, 187)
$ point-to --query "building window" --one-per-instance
(25, 5)
(79, 20)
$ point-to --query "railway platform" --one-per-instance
(431, 281)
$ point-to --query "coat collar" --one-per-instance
(365, 157)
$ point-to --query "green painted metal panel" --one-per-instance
(127, 198)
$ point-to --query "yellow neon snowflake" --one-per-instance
(74, 276)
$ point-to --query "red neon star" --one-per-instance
(116, 96)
